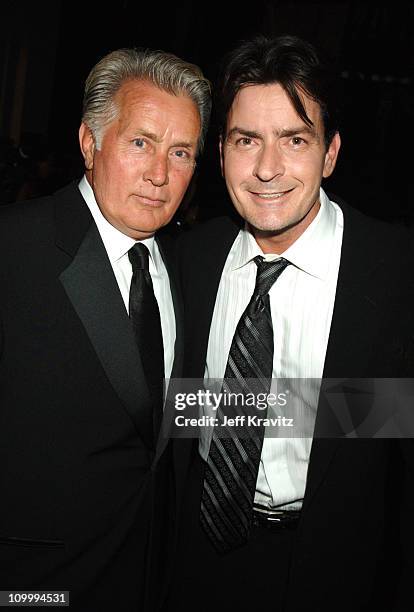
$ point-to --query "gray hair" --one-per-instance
(165, 70)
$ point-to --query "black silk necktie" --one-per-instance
(233, 462)
(146, 321)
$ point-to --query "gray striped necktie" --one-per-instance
(233, 461)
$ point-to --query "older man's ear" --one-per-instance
(87, 145)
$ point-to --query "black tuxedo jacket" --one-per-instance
(83, 492)
(352, 548)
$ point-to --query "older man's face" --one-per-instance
(146, 159)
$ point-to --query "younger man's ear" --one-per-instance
(87, 145)
(221, 155)
(331, 155)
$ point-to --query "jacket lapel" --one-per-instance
(350, 339)
(92, 289)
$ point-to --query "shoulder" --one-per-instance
(371, 232)
(31, 223)
(383, 253)
(209, 235)
(24, 224)
(25, 212)
(203, 250)
(38, 209)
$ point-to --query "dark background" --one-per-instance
(47, 49)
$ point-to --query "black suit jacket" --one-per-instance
(83, 492)
(348, 551)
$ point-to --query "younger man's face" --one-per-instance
(273, 163)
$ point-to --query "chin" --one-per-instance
(267, 225)
(148, 223)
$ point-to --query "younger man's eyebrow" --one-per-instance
(285, 133)
(242, 132)
(301, 129)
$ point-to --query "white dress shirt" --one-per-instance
(117, 246)
(301, 303)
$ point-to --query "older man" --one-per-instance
(90, 327)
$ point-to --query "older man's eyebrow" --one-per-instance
(151, 136)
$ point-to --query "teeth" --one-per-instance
(270, 196)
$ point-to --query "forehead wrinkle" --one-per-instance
(136, 108)
(134, 119)
(146, 110)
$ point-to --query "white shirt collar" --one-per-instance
(310, 252)
(116, 243)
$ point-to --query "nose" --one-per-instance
(269, 164)
(156, 171)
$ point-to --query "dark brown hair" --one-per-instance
(289, 61)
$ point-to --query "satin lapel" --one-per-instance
(352, 329)
(167, 251)
(93, 291)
